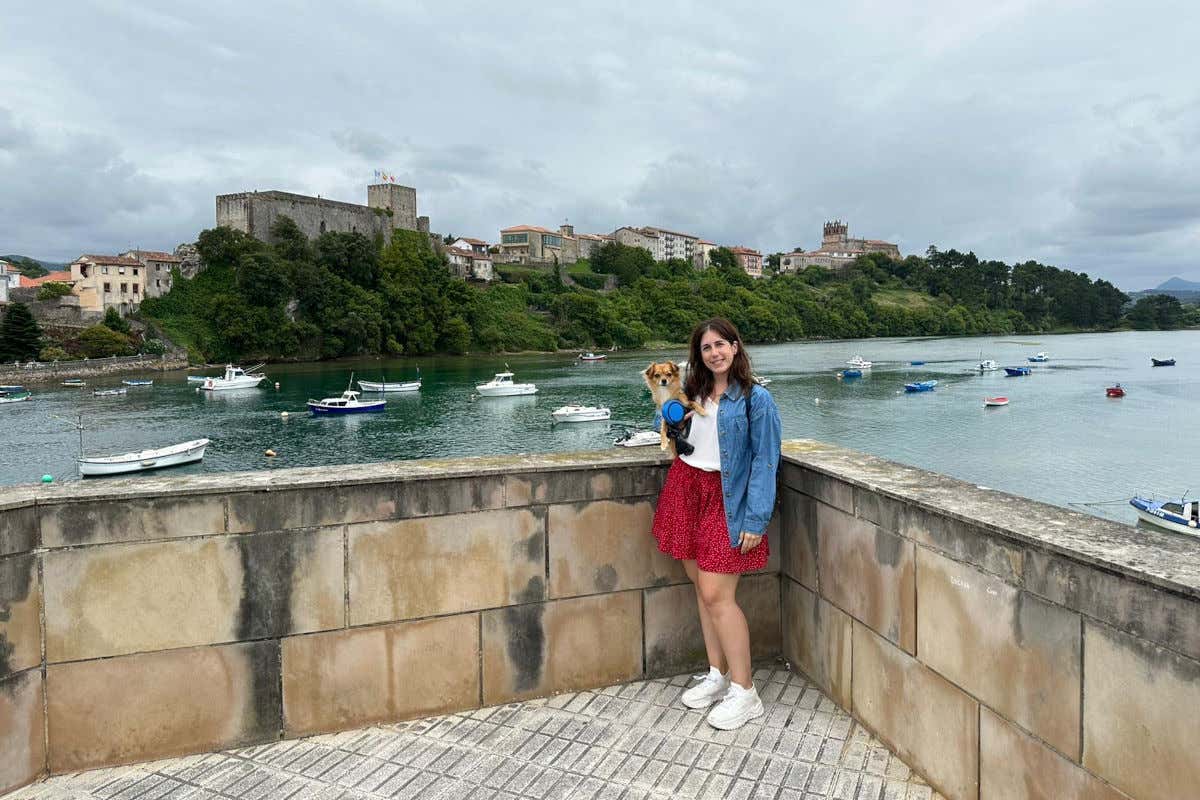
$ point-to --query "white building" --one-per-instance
(9, 279)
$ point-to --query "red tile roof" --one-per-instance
(62, 276)
(119, 261)
(471, 241)
(745, 251)
(156, 255)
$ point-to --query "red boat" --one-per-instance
(992, 402)
(1115, 391)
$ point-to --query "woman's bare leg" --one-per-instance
(712, 643)
(717, 594)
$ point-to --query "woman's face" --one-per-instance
(717, 352)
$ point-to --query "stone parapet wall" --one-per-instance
(51, 371)
(1003, 647)
(143, 618)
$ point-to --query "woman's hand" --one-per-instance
(749, 541)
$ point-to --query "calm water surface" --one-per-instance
(1061, 440)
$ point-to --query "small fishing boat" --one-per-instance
(858, 362)
(590, 356)
(109, 392)
(920, 386)
(580, 414)
(849, 373)
(916, 363)
(12, 389)
(988, 366)
(198, 378)
(1039, 358)
(172, 456)
(1181, 516)
(138, 383)
(14, 394)
(384, 386)
(74, 382)
(635, 438)
(235, 378)
(1114, 391)
(762, 380)
(1162, 362)
(1016, 372)
(995, 402)
(502, 386)
(348, 403)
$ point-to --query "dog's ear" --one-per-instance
(649, 371)
(673, 368)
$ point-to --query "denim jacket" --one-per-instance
(748, 479)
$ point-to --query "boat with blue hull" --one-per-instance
(920, 386)
(1016, 372)
(1039, 358)
(348, 403)
(1162, 362)
(1181, 516)
(850, 374)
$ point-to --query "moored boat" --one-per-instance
(580, 414)
(916, 363)
(1016, 372)
(348, 403)
(762, 380)
(920, 386)
(636, 438)
(74, 382)
(385, 386)
(1181, 516)
(138, 382)
(109, 392)
(1039, 358)
(849, 373)
(858, 362)
(173, 456)
(590, 356)
(198, 378)
(234, 378)
(14, 394)
(1115, 391)
(995, 402)
(502, 386)
(988, 366)
(1162, 362)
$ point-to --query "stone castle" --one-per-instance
(837, 250)
(389, 207)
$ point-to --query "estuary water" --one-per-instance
(1060, 440)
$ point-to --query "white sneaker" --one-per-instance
(739, 707)
(710, 689)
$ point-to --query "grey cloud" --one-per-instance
(365, 144)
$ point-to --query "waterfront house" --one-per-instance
(102, 282)
(157, 267)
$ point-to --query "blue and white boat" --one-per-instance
(1039, 358)
(137, 383)
(917, 363)
(849, 373)
(348, 403)
(1181, 516)
(1016, 372)
(920, 386)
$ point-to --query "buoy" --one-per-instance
(270, 454)
(283, 414)
(47, 479)
(817, 400)
(277, 386)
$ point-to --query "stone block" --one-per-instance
(541, 648)
(605, 546)
(1015, 652)
(817, 638)
(18, 530)
(1140, 729)
(136, 520)
(353, 678)
(127, 598)
(445, 565)
(1141, 609)
(926, 720)
(886, 512)
(22, 730)
(963, 541)
(826, 488)
(1015, 766)
(20, 614)
(451, 496)
(155, 705)
(674, 643)
(869, 574)
(277, 510)
(798, 537)
(573, 486)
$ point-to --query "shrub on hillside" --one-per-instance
(51, 290)
(100, 341)
(53, 353)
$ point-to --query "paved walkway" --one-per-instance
(625, 742)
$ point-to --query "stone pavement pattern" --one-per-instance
(625, 742)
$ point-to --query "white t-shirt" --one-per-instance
(703, 437)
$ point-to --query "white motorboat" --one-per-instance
(235, 378)
(1180, 516)
(580, 414)
(590, 356)
(109, 392)
(172, 456)
(348, 403)
(632, 438)
(385, 386)
(988, 366)
(74, 382)
(858, 362)
(502, 386)
(138, 382)
(762, 380)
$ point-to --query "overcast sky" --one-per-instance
(1066, 132)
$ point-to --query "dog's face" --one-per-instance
(662, 375)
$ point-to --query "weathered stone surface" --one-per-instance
(817, 638)
(541, 648)
(674, 641)
(1017, 653)
(275, 510)
(571, 486)
(823, 487)
(116, 599)
(964, 542)
(1015, 766)
(20, 614)
(886, 512)
(451, 496)
(1164, 617)
(445, 565)
(928, 721)
(18, 529)
(133, 520)
(152, 705)
(797, 541)
(606, 546)
(22, 730)
(1140, 728)
(353, 678)
(869, 574)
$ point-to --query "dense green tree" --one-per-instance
(626, 262)
(1157, 312)
(100, 341)
(20, 335)
(115, 322)
(53, 289)
(290, 242)
(350, 255)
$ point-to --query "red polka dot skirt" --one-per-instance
(689, 523)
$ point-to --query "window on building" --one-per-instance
(515, 238)
(135, 288)
(135, 271)
(124, 288)
(104, 270)
(157, 283)
(322, 226)
(158, 267)
(107, 288)
(121, 270)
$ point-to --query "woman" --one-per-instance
(714, 509)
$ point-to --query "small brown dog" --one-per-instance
(666, 382)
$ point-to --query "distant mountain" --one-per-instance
(33, 267)
(1179, 285)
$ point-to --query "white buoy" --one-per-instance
(277, 386)
(283, 414)
(817, 400)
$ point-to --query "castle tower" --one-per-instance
(400, 200)
(835, 235)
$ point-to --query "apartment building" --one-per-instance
(749, 260)
(157, 266)
(530, 244)
(102, 282)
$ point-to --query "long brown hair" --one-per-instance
(700, 378)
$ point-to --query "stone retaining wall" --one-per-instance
(51, 371)
(1003, 647)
